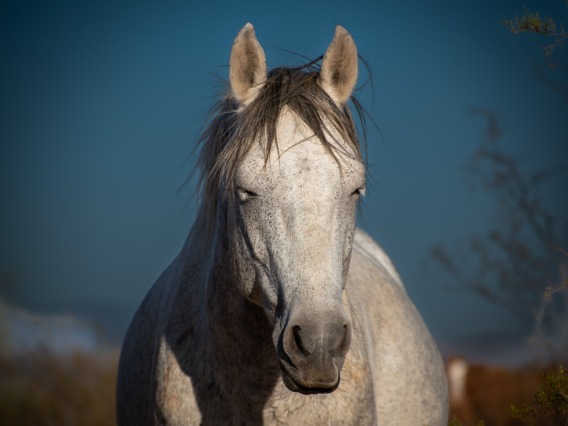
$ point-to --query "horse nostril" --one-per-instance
(298, 340)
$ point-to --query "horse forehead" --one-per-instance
(299, 153)
(306, 159)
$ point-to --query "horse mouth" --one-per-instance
(293, 384)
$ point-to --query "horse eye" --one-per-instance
(245, 194)
(359, 192)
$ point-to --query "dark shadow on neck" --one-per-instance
(221, 341)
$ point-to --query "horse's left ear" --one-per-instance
(247, 68)
(338, 73)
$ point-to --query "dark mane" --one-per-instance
(231, 132)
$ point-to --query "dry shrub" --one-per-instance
(41, 388)
(490, 393)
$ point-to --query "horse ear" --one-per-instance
(247, 68)
(338, 73)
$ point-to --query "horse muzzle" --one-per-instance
(312, 352)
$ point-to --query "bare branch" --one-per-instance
(517, 265)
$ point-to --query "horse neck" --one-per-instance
(222, 341)
(233, 326)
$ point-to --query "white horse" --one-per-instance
(277, 310)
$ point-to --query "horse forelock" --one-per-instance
(232, 130)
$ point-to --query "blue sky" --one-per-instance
(101, 104)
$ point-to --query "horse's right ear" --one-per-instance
(247, 69)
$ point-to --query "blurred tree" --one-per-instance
(554, 33)
(534, 23)
(522, 263)
(550, 400)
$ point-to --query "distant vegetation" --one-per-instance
(39, 388)
(531, 395)
(550, 400)
(534, 23)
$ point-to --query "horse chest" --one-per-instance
(186, 400)
(352, 403)
(338, 408)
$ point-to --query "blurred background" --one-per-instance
(102, 102)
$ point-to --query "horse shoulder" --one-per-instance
(175, 401)
(151, 385)
(409, 378)
(365, 246)
(178, 349)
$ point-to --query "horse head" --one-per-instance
(294, 188)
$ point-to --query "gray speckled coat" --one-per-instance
(282, 312)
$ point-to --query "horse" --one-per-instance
(277, 310)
